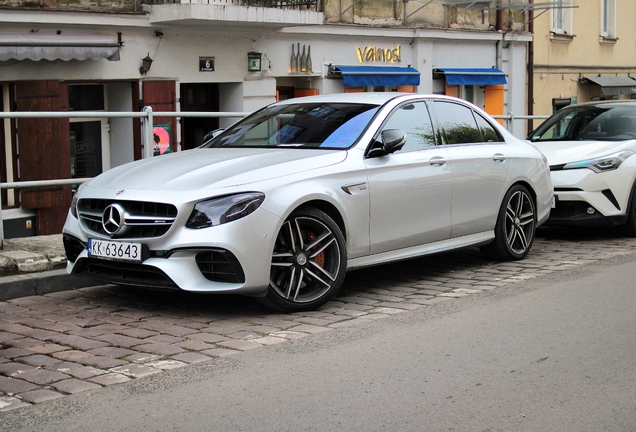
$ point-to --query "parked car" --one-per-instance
(590, 149)
(282, 203)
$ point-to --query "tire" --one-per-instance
(308, 263)
(515, 228)
(630, 225)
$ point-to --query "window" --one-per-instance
(561, 18)
(86, 97)
(414, 120)
(608, 18)
(299, 125)
(488, 132)
(457, 123)
(90, 148)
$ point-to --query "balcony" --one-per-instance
(282, 4)
(271, 12)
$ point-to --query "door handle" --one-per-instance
(498, 157)
(437, 161)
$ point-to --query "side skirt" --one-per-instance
(416, 251)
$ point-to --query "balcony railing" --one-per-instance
(281, 4)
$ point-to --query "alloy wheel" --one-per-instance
(520, 222)
(306, 261)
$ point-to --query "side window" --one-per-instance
(414, 120)
(456, 122)
(488, 132)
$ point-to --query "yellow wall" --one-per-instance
(559, 62)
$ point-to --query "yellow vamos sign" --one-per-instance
(373, 54)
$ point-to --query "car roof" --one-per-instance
(606, 104)
(373, 98)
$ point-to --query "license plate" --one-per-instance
(115, 250)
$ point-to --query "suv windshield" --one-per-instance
(588, 123)
(300, 125)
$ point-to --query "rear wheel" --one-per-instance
(515, 228)
(308, 262)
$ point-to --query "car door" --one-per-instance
(480, 165)
(410, 190)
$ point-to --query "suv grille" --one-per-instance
(570, 209)
(140, 219)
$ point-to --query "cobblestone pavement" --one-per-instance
(73, 341)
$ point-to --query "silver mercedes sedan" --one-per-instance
(282, 203)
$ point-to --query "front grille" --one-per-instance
(142, 219)
(125, 273)
(570, 209)
(220, 266)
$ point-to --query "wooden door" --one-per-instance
(162, 96)
(44, 146)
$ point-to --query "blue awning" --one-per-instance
(473, 76)
(362, 76)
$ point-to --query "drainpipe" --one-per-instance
(500, 15)
(499, 47)
(530, 67)
(500, 29)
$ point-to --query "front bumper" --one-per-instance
(583, 197)
(233, 257)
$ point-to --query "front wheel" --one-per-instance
(630, 226)
(308, 262)
(515, 228)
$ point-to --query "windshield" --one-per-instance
(588, 123)
(300, 125)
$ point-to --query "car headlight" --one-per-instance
(224, 209)
(602, 164)
(74, 201)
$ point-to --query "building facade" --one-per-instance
(221, 56)
(583, 51)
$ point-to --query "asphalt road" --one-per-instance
(556, 352)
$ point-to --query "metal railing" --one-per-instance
(510, 119)
(147, 116)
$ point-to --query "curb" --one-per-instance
(46, 282)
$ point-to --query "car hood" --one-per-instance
(214, 168)
(562, 152)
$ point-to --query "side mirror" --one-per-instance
(208, 136)
(393, 139)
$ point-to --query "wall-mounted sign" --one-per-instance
(161, 138)
(206, 64)
(254, 61)
(374, 54)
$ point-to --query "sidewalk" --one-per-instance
(33, 266)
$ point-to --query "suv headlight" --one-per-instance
(217, 211)
(602, 164)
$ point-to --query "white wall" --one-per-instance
(119, 98)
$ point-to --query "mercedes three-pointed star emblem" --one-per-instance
(113, 219)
